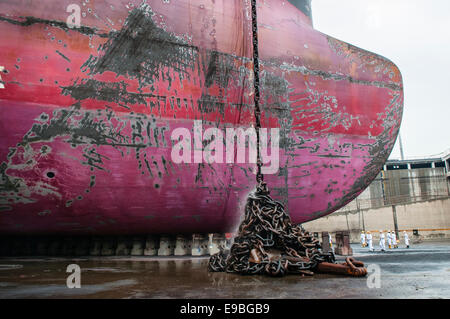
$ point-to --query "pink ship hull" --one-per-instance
(86, 114)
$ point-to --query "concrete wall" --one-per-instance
(430, 218)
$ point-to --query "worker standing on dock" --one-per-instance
(369, 241)
(382, 241)
(394, 240)
(363, 239)
(389, 239)
(405, 235)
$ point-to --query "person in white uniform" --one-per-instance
(382, 241)
(389, 239)
(405, 235)
(363, 239)
(394, 240)
(369, 241)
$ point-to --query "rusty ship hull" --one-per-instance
(87, 112)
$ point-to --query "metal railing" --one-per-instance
(397, 191)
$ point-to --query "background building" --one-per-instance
(411, 195)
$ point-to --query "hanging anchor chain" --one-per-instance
(267, 241)
(259, 175)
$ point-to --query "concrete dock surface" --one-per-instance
(422, 271)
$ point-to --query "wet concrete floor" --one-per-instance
(423, 271)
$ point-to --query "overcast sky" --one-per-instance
(415, 35)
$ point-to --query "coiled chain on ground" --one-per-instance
(268, 242)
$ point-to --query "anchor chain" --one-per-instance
(267, 241)
(259, 175)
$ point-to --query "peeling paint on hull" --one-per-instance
(87, 114)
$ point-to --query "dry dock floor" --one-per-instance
(423, 271)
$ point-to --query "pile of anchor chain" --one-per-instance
(268, 243)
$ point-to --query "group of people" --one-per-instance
(366, 240)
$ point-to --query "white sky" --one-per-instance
(415, 35)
